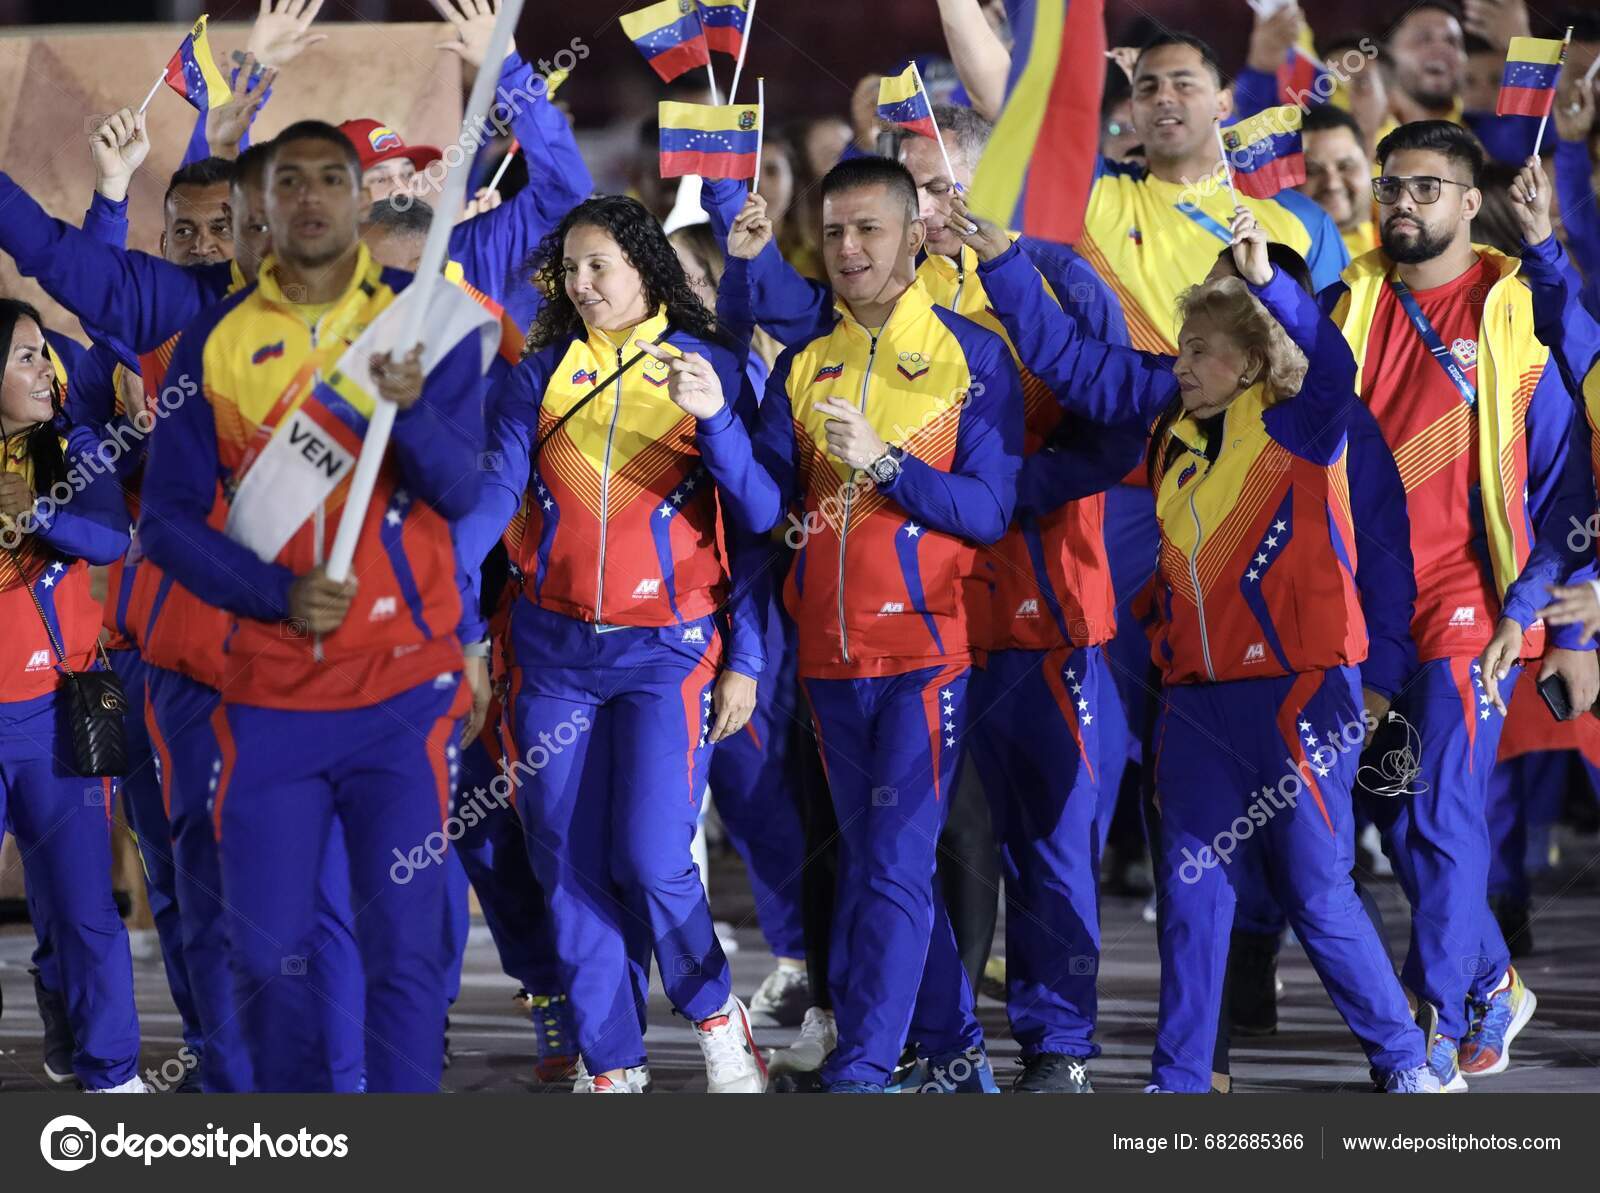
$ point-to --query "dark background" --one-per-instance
(811, 51)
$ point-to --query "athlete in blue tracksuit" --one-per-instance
(61, 819)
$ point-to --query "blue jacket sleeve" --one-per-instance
(750, 555)
(755, 469)
(513, 431)
(1100, 382)
(492, 248)
(93, 525)
(1385, 576)
(1080, 461)
(1563, 324)
(733, 300)
(1080, 291)
(1312, 423)
(91, 414)
(107, 220)
(1561, 495)
(439, 441)
(179, 489)
(973, 500)
(1577, 203)
(133, 296)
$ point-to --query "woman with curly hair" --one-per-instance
(53, 526)
(635, 644)
(1259, 637)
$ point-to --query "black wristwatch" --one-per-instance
(886, 467)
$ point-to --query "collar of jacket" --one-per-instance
(1247, 406)
(913, 303)
(605, 348)
(364, 280)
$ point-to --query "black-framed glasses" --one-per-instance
(1423, 188)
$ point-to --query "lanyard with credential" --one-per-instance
(1215, 227)
(1432, 342)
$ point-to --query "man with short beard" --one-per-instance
(1339, 175)
(1480, 427)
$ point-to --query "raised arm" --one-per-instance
(793, 309)
(981, 59)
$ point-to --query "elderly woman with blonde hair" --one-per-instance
(1259, 636)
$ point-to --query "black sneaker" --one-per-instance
(1515, 924)
(1053, 1073)
(59, 1044)
(1252, 984)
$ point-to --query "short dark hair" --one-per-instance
(208, 171)
(250, 167)
(318, 130)
(1448, 7)
(1324, 118)
(1437, 136)
(1208, 56)
(856, 172)
(407, 219)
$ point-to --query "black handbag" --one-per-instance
(96, 704)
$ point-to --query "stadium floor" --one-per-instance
(493, 1044)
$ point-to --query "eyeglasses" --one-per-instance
(1423, 188)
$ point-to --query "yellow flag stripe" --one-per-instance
(1003, 171)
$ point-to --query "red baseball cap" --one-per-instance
(376, 143)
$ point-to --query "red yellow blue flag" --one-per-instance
(1301, 69)
(1036, 173)
(193, 72)
(710, 141)
(1265, 153)
(902, 101)
(1528, 86)
(725, 23)
(670, 36)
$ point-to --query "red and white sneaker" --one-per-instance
(733, 1062)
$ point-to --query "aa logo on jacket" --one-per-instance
(39, 660)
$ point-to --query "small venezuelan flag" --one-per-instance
(709, 141)
(1528, 87)
(670, 36)
(902, 101)
(1264, 152)
(725, 23)
(1297, 77)
(193, 72)
(1036, 173)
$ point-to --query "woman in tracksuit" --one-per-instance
(621, 672)
(62, 821)
(1261, 631)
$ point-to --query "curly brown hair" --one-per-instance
(645, 246)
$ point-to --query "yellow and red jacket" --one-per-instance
(882, 576)
(617, 521)
(256, 359)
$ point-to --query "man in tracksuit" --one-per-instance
(933, 417)
(371, 697)
(1447, 360)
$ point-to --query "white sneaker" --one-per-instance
(783, 997)
(733, 1064)
(134, 1085)
(635, 1080)
(818, 1037)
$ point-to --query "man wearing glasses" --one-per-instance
(1443, 337)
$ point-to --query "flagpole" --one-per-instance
(1545, 119)
(1594, 69)
(761, 123)
(744, 44)
(943, 152)
(716, 96)
(1227, 167)
(505, 164)
(160, 79)
(408, 331)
